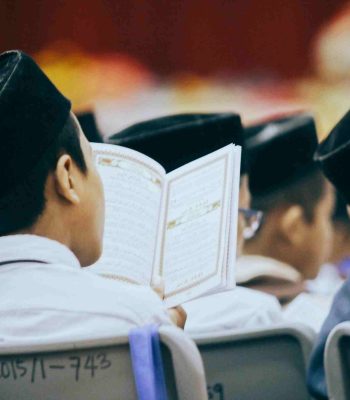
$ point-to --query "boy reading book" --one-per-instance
(51, 222)
(181, 225)
(178, 139)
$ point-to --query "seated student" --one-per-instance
(174, 141)
(295, 237)
(334, 155)
(239, 308)
(51, 222)
(332, 274)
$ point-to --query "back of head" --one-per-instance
(33, 114)
(281, 165)
(288, 186)
(305, 192)
(178, 139)
(25, 202)
(51, 187)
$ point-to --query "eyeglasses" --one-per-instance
(252, 221)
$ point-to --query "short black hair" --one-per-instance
(306, 192)
(22, 206)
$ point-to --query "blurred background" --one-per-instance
(131, 59)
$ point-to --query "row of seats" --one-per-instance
(247, 365)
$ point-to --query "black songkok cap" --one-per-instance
(178, 139)
(88, 125)
(280, 152)
(32, 115)
(334, 156)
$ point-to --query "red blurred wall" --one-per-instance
(202, 36)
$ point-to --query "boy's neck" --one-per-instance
(262, 246)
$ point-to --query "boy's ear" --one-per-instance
(292, 224)
(66, 179)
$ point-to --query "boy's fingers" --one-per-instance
(178, 315)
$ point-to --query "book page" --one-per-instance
(233, 220)
(228, 273)
(194, 237)
(133, 186)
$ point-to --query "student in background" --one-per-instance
(52, 220)
(295, 237)
(334, 156)
(174, 141)
(333, 273)
(239, 308)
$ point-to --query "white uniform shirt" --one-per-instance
(253, 266)
(308, 308)
(327, 282)
(61, 301)
(238, 308)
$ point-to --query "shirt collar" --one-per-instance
(252, 266)
(18, 247)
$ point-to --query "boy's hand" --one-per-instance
(178, 316)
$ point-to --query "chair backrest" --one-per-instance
(260, 364)
(99, 369)
(337, 362)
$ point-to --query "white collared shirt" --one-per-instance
(308, 308)
(249, 267)
(239, 308)
(327, 282)
(61, 301)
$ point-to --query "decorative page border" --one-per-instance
(226, 162)
(162, 178)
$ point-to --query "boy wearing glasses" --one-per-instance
(241, 307)
(295, 238)
(174, 141)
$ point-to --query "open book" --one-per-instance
(181, 225)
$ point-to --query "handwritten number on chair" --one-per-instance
(216, 392)
(36, 367)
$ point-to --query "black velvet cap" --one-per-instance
(32, 115)
(88, 124)
(280, 152)
(178, 139)
(333, 154)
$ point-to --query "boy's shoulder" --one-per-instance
(234, 309)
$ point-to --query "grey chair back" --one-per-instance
(98, 369)
(261, 364)
(337, 362)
